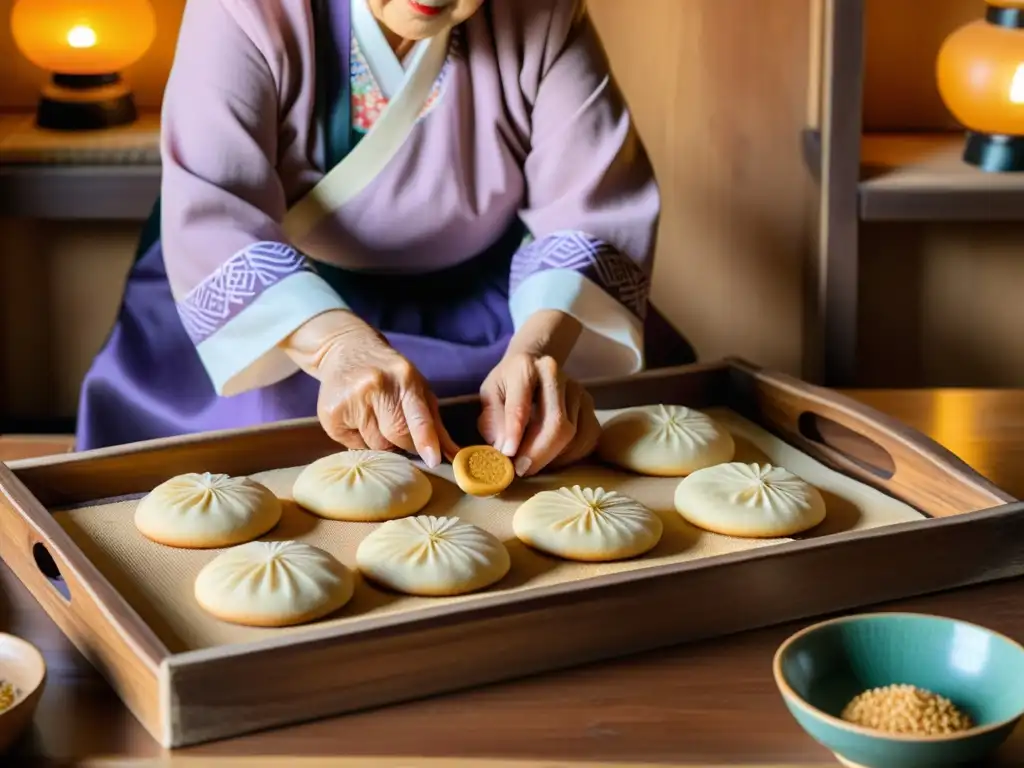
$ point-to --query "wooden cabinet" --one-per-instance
(65, 198)
(883, 149)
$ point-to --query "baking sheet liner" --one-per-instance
(158, 581)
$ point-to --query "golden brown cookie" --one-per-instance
(481, 470)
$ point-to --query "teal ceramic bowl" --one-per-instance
(820, 669)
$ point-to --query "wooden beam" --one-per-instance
(832, 358)
(810, 147)
(816, 14)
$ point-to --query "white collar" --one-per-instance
(387, 69)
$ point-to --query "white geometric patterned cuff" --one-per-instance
(612, 341)
(243, 353)
(621, 277)
(236, 284)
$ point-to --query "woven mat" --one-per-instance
(158, 581)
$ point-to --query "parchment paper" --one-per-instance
(158, 581)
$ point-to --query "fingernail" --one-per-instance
(509, 449)
(522, 465)
(430, 457)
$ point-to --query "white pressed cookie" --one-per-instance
(362, 486)
(749, 501)
(587, 524)
(664, 441)
(205, 511)
(432, 556)
(273, 584)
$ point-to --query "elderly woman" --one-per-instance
(368, 204)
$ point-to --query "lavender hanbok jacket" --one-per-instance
(520, 185)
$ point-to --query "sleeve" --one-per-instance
(239, 287)
(592, 204)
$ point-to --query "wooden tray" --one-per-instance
(190, 696)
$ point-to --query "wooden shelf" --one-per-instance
(112, 174)
(922, 177)
(96, 192)
(876, 177)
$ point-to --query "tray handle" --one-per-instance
(71, 589)
(870, 446)
(87, 608)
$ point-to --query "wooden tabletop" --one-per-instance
(700, 704)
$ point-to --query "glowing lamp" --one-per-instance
(84, 44)
(981, 79)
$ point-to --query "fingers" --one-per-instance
(448, 446)
(350, 438)
(335, 425)
(492, 413)
(573, 400)
(370, 431)
(530, 411)
(384, 406)
(413, 419)
(419, 420)
(588, 428)
(519, 387)
(551, 431)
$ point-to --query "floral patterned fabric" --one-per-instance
(369, 101)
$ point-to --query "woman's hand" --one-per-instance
(533, 413)
(531, 410)
(370, 395)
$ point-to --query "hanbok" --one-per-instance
(492, 173)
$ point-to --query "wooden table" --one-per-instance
(707, 703)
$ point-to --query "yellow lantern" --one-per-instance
(981, 79)
(84, 44)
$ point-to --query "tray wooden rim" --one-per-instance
(526, 599)
(149, 647)
(968, 502)
(156, 653)
(839, 402)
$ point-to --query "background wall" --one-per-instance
(719, 89)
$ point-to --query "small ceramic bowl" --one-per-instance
(820, 669)
(21, 665)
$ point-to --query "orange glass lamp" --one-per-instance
(981, 80)
(84, 44)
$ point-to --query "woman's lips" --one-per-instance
(426, 10)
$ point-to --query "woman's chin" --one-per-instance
(410, 26)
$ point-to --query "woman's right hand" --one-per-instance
(370, 395)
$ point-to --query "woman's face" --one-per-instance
(420, 19)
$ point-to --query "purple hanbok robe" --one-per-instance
(517, 184)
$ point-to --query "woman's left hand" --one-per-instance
(536, 415)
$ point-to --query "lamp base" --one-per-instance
(85, 103)
(994, 152)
